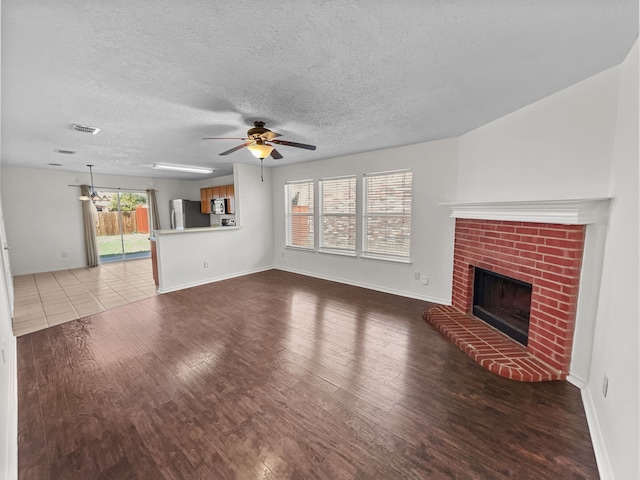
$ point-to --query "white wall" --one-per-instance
(615, 346)
(8, 381)
(44, 216)
(557, 148)
(8, 374)
(229, 252)
(434, 166)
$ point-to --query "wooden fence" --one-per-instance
(132, 222)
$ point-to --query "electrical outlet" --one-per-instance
(416, 275)
(64, 254)
(424, 279)
(282, 254)
(206, 264)
(605, 385)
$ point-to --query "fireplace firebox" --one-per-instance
(502, 302)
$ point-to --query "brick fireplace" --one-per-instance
(539, 243)
(548, 256)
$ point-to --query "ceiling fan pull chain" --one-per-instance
(261, 176)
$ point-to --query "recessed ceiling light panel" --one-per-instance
(183, 168)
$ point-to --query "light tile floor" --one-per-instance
(46, 299)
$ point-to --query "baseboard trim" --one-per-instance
(602, 458)
(212, 280)
(576, 381)
(368, 286)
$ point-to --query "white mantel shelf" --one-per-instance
(580, 211)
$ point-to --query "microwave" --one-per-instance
(219, 206)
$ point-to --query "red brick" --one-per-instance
(558, 252)
(550, 344)
(563, 243)
(533, 255)
(541, 317)
(549, 267)
(545, 301)
(531, 239)
(510, 236)
(548, 284)
(564, 262)
(542, 349)
(526, 262)
(545, 292)
(505, 243)
(562, 279)
(560, 233)
(487, 227)
(578, 235)
(569, 289)
(528, 231)
(526, 246)
(529, 271)
(554, 312)
(509, 251)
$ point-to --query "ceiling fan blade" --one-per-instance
(235, 149)
(275, 154)
(224, 138)
(294, 144)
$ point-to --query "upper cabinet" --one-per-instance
(209, 193)
(205, 200)
(231, 195)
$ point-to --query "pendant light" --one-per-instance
(92, 193)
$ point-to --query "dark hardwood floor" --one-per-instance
(278, 376)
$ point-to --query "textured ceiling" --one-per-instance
(348, 76)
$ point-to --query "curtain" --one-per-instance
(153, 205)
(89, 213)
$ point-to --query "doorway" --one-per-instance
(122, 225)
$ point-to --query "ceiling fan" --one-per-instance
(258, 142)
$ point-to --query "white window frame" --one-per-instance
(366, 215)
(290, 215)
(322, 210)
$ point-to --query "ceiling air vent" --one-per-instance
(55, 164)
(84, 128)
(64, 152)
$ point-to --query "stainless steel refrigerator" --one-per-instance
(186, 214)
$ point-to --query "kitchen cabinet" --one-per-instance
(205, 201)
(223, 191)
(232, 198)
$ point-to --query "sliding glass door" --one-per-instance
(122, 225)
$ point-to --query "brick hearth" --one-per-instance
(548, 256)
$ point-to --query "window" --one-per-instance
(299, 214)
(387, 215)
(338, 214)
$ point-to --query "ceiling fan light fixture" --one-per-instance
(260, 150)
(183, 168)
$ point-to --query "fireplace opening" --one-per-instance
(503, 302)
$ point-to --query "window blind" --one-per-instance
(338, 214)
(387, 214)
(299, 214)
